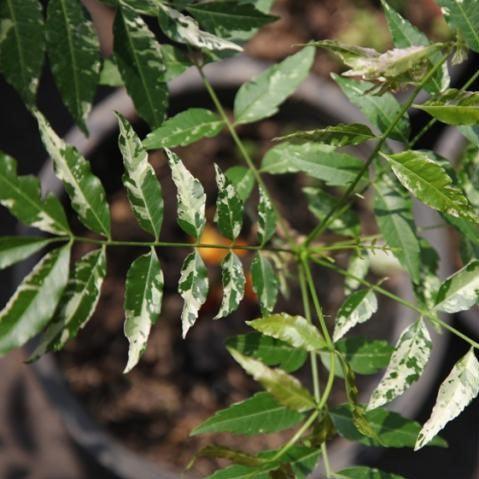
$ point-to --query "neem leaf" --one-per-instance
(261, 97)
(83, 187)
(356, 309)
(259, 414)
(32, 306)
(285, 388)
(460, 291)
(141, 183)
(140, 62)
(193, 288)
(74, 53)
(426, 179)
(190, 195)
(265, 282)
(358, 268)
(22, 196)
(17, 248)
(233, 279)
(407, 363)
(243, 180)
(267, 217)
(184, 128)
(363, 472)
(293, 330)
(22, 45)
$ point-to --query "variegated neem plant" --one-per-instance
(57, 299)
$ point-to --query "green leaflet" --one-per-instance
(358, 268)
(141, 183)
(405, 35)
(74, 53)
(176, 61)
(184, 29)
(455, 393)
(259, 414)
(77, 304)
(185, 128)
(236, 456)
(426, 179)
(229, 207)
(463, 15)
(285, 388)
(270, 351)
(460, 291)
(426, 290)
(191, 197)
(230, 20)
(193, 288)
(261, 97)
(83, 187)
(234, 280)
(33, 304)
(392, 429)
(454, 107)
(265, 282)
(109, 74)
(139, 59)
(357, 308)
(22, 196)
(267, 217)
(363, 472)
(408, 361)
(143, 298)
(17, 248)
(337, 135)
(293, 330)
(316, 160)
(321, 203)
(379, 110)
(393, 211)
(243, 180)
(22, 45)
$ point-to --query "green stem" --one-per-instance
(329, 384)
(342, 203)
(327, 466)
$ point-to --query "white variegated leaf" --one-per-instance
(191, 197)
(455, 393)
(233, 285)
(265, 282)
(143, 188)
(406, 366)
(193, 288)
(267, 217)
(358, 267)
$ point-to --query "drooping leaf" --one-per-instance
(32, 306)
(259, 414)
(392, 429)
(234, 280)
(463, 15)
(358, 268)
(453, 107)
(190, 195)
(22, 196)
(77, 304)
(141, 183)
(356, 309)
(184, 29)
(267, 217)
(17, 248)
(393, 211)
(243, 180)
(293, 330)
(185, 128)
(381, 110)
(406, 366)
(140, 61)
(22, 45)
(460, 291)
(363, 472)
(316, 160)
(83, 187)
(193, 288)
(270, 351)
(261, 97)
(265, 282)
(74, 53)
(229, 207)
(426, 179)
(285, 388)
(337, 135)
(455, 393)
